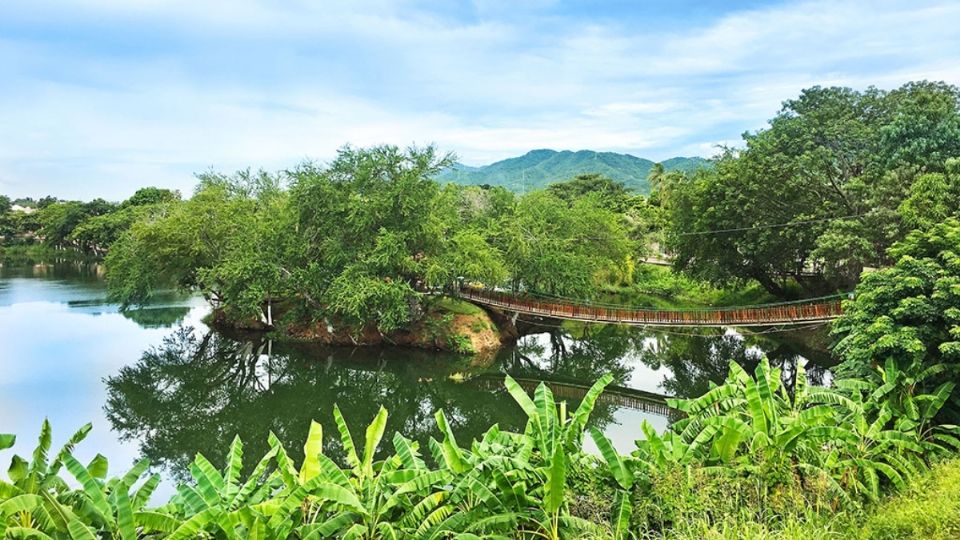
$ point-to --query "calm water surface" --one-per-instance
(157, 383)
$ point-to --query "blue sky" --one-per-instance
(100, 97)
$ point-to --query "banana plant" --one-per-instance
(529, 486)
(36, 500)
(622, 471)
(753, 422)
(398, 497)
(911, 410)
(894, 434)
(658, 451)
(109, 507)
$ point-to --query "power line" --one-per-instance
(722, 231)
(771, 226)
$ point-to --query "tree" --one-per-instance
(610, 194)
(151, 195)
(908, 314)
(97, 233)
(376, 230)
(228, 242)
(932, 198)
(59, 219)
(561, 249)
(814, 198)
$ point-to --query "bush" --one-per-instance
(929, 510)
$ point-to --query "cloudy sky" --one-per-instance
(99, 97)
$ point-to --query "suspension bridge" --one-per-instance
(783, 314)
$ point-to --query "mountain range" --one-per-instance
(538, 168)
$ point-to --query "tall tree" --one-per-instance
(556, 248)
(908, 314)
(815, 196)
(373, 223)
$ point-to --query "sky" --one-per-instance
(101, 97)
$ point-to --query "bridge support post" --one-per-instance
(513, 319)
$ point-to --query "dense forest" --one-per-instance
(844, 191)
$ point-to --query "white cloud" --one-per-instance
(236, 84)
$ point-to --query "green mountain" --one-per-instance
(538, 168)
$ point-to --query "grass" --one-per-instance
(928, 510)
(661, 287)
(455, 306)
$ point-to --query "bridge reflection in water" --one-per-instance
(617, 396)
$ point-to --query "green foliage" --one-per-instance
(60, 219)
(89, 227)
(553, 247)
(374, 224)
(505, 484)
(929, 509)
(908, 314)
(831, 153)
(749, 458)
(358, 243)
(226, 241)
(611, 194)
(149, 196)
(849, 441)
(933, 197)
(660, 286)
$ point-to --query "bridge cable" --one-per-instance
(591, 303)
(659, 329)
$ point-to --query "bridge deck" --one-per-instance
(772, 315)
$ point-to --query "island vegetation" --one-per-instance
(845, 191)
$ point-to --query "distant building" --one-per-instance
(24, 209)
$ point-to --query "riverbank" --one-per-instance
(29, 254)
(447, 324)
(455, 325)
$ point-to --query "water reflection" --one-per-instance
(583, 354)
(197, 390)
(172, 393)
(200, 388)
(695, 360)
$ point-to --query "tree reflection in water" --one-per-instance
(583, 355)
(197, 390)
(193, 393)
(698, 358)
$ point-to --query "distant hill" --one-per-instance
(538, 168)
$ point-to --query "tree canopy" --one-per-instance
(908, 314)
(819, 194)
(363, 239)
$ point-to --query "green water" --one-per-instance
(157, 383)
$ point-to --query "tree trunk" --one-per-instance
(768, 283)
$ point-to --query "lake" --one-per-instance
(156, 382)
